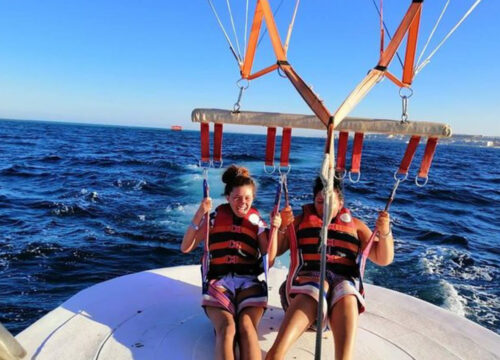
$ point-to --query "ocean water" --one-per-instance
(82, 204)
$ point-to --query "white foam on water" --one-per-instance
(453, 301)
(462, 298)
(450, 262)
(483, 305)
(432, 262)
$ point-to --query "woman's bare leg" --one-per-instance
(248, 321)
(225, 331)
(298, 317)
(344, 322)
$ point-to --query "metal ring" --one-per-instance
(201, 164)
(398, 178)
(410, 92)
(236, 108)
(357, 180)
(238, 84)
(269, 172)
(217, 164)
(288, 168)
(421, 185)
(344, 173)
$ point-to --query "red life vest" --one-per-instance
(343, 242)
(233, 243)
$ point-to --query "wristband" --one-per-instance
(387, 234)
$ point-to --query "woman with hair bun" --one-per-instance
(234, 298)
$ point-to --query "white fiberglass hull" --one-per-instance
(157, 315)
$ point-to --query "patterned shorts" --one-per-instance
(235, 292)
(336, 287)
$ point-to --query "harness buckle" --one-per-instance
(236, 228)
(231, 259)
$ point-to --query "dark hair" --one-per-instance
(236, 176)
(337, 186)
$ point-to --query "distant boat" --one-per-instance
(489, 143)
(176, 128)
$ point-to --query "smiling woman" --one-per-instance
(235, 236)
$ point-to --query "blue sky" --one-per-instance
(149, 63)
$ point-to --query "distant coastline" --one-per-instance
(456, 139)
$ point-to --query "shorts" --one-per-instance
(337, 287)
(228, 293)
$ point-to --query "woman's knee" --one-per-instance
(347, 303)
(226, 328)
(246, 325)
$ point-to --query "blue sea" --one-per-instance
(81, 204)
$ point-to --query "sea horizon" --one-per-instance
(184, 128)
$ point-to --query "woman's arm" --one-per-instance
(195, 232)
(382, 251)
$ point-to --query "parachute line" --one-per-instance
(433, 31)
(246, 32)
(265, 30)
(290, 27)
(428, 59)
(224, 31)
(234, 30)
(387, 31)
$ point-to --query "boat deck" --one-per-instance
(157, 315)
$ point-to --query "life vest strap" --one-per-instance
(233, 244)
(232, 228)
(231, 259)
(329, 258)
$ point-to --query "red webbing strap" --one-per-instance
(218, 142)
(341, 151)
(430, 147)
(357, 148)
(409, 153)
(286, 141)
(205, 142)
(270, 145)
